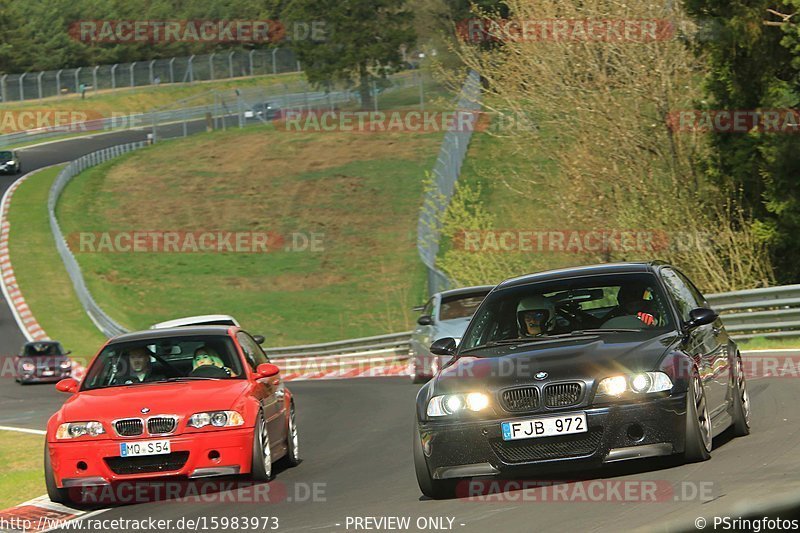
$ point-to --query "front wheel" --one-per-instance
(261, 469)
(698, 423)
(56, 495)
(438, 489)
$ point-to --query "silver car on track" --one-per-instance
(446, 314)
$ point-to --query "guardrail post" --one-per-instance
(39, 83)
(77, 80)
(274, 64)
(191, 68)
(250, 59)
(133, 77)
(114, 75)
(94, 77)
(58, 81)
(150, 70)
(172, 70)
(230, 64)
(211, 65)
(22, 87)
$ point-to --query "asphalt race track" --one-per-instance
(356, 443)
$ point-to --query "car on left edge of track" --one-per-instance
(42, 362)
(9, 162)
(207, 403)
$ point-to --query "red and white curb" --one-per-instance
(27, 323)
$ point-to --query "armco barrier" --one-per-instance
(772, 312)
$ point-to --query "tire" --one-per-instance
(698, 424)
(261, 469)
(292, 457)
(438, 489)
(55, 494)
(741, 401)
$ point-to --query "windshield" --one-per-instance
(6, 156)
(196, 357)
(631, 302)
(460, 306)
(42, 349)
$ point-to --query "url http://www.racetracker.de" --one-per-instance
(200, 523)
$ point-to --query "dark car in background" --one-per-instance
(42, 362)
(264, 111)
(446, 314)
(577, 368)
(9, 162)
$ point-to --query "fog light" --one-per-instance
(477, 401)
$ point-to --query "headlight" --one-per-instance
(216, 418)
(66, 364)
(73, 430)
(28, 367)
(451, 404)
(642, 383)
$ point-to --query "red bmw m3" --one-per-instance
(186, 402)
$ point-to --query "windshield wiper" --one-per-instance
(518, 340)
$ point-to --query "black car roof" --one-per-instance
(32, 343)
(183, 331)
(589, 270)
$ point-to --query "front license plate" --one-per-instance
(544, 427)
(148, 447)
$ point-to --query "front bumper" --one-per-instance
(650, 428)
(93, 462)
(37, 377)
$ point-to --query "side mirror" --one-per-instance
(445, 346)
(67, 385)
(259, 339)
(700, 317)
(267, 370)
(68, 352)
(425, 320)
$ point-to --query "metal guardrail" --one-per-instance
(394, 342)
(773, 312)
(438, 196)
(104, 323)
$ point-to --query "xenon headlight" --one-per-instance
(641, 383)
(450, 404)
(73, 430)
(216, 418)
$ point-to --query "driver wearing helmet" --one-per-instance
(205, 356)
(536, 315)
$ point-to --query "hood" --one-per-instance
(178, 398)
(587, 357)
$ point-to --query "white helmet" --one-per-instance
(541, 304)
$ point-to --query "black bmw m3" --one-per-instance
(578, 368)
